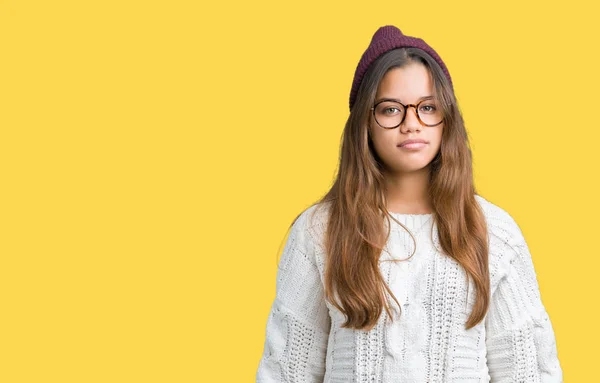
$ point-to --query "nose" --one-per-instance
(411, 121)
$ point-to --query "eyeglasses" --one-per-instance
(390, 113)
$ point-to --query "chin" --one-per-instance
(413, 167)
(407, 169)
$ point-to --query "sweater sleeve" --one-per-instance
(298, 323)
(520, 340)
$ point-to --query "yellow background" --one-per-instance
(153, 155)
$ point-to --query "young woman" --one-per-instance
(402, 272)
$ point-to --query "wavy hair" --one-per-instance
(356, 232)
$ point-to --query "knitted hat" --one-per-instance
(385, 39)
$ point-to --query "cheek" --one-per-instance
(438, 138)
(379, 139)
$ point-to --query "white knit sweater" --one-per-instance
(428, 343)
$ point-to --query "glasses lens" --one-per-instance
(430, 113)
(389, 114)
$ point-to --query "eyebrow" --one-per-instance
(397, 100)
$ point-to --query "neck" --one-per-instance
(407, 192)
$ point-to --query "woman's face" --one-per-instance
(408, 85)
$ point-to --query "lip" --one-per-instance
(413, 143)
(414, 146)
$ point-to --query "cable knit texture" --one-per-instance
(428, 342)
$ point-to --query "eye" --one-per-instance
(428, 108)
(389, 109)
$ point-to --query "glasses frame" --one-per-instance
(405, 112)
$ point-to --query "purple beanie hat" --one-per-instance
(385, 39)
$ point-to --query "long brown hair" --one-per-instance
(357, 204)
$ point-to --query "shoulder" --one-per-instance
(313, 220)
(504, 238)
(501, 225)
(310, 228)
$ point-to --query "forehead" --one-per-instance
(407, 83)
